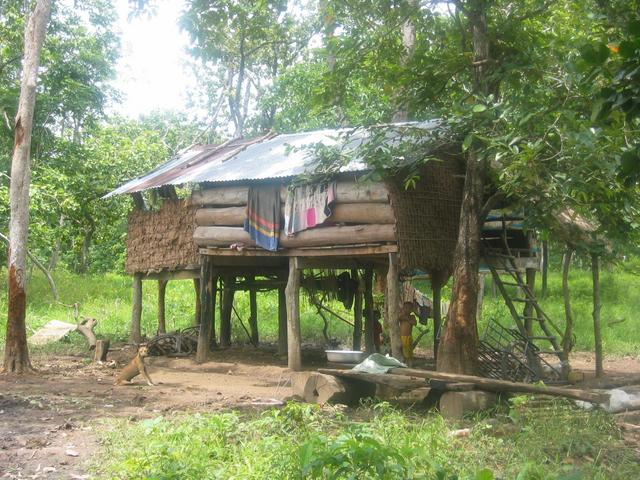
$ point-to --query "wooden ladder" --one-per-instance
(506, 262)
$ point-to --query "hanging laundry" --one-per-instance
(308, 206)
(263, 216)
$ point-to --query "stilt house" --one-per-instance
(250, 223)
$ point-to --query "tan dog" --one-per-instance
(136, 366)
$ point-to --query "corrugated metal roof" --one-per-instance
(268, 157)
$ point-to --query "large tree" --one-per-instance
(16, 354)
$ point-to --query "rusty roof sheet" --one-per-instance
(269, 157)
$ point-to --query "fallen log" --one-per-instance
(316, 237)
(493, 385)
(346, 192)
(315, 387)
(398, 382)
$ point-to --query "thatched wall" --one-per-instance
(162, 239)
(427, 216)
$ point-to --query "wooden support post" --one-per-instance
(102, 349)
(226, 308)
(357, 311)
(527, 312)
(196, 286)
(368, 310)
(136, 310)
(162, 289)
(253, 313)
(282, 322)
(595, 271)
(208, 283)
(292, 293)
(479, 303)
(437, 280)
(393, 306)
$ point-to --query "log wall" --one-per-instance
(361, 215)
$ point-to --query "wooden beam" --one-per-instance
(136, 308)
(253, 313)
(294, 338)
(228, 293)
(316, 237)
(368, 310)
(340, 251)
(393, 306)
(282, 322)
(346, 192)
(186, 274)
(162, 289)
(208, 282)
(357, 311)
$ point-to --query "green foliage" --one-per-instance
(377, 441)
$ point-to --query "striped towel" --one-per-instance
(263, 216)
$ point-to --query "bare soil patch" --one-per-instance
(50, 421)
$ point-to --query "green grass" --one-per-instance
(374, 442)
(107, 297)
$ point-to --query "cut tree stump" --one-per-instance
(102, 349)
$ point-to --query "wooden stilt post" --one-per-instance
(480, 302)
(162, 289)
(393, 306)
(196, 286)
(436, 287)
(253, 312)
(368, 310)
(595, 271)
(294, 338)
(208, 282)
(357, 311)
(136, 310)
(282, 321)
(528, 311)
(544, 266)
(226, 309)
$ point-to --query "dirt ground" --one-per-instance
(50, 421)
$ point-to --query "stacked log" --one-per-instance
(361, 214)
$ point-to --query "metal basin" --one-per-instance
(345, 356)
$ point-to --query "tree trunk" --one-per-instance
(458, 350)
(294, 338)
(368, 311)
(567, 339)
(16, 353)
(409, 44)
(437, 280)
(595, 271)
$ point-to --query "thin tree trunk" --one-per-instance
(409, 44)
(597, 335)
(567, 339)
(16, 353)
(545, 268)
